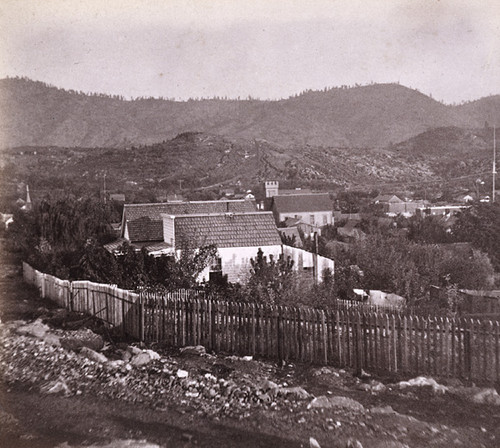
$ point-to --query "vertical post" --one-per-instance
(141, 317)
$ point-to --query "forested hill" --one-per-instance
(378, 115)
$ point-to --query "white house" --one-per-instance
(237, 236)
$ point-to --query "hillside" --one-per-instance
(370, 116)
(207, 161)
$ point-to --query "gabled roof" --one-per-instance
(256, 229)
(387, 198)
(298, 203)
(145, 223)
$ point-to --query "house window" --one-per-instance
(325, 220)
(217, 265)
(311, 219)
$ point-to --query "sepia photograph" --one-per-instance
(249, 223)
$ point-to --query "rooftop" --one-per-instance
(145, 223)
(314, 202)
(253, 229)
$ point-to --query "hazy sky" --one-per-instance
(267, 49)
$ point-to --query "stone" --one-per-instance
(75, 340)
(36, 329)
(268, 385)
(423, 381)
(196, 350)
(323, 371)
(298, 393)
(313, 443)
(153, 355)
(486, 396)
(134, 350)
(354, 443)
(93, 355)
(55, 387)
(52, 339)
(383, 410)
(141, 359)
(336, 402)
(182, 373)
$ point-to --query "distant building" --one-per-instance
(313, 210)
(392, 205)
(440, 210)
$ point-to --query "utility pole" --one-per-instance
(104, 187)
(494, 172)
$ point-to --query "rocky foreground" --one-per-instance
(319, 406)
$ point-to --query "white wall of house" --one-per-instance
(303, 259)
(236, 262)
(318, 219)
(169, 229)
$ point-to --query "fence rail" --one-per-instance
(345, 337)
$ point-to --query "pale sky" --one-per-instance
(263, 48)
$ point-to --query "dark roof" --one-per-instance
(319, 202)
(255, 229)
(145, 223)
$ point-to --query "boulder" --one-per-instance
(313, 443)
(336, 402)
(93, 355)
(75, 340)
(383, 410)
(195, 350)
(373, 386)
(35, 329)
(182, 373)
(141, 359)
(423, 381)
(297, 393)
(152, 354)
(55, 387)
(486, 396)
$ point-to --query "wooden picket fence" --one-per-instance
(344, 337)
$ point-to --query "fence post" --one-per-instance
(141, 317)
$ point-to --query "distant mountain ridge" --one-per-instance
(377, 115)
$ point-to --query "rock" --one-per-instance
(383, 410)
(373, 386)
(268, 385)
(52, 339)
(55, 387)
(298, 393)
(196, 350)
(323, 371)
(423, 381)
(486, 396)
(354, 443)
(182, 373)
(36, 329)
(313, 443)
(75, 340)
(125, 355)
(152, 354)
(141, 359)
(116, 364)
(134, 350)
(337, 402)
(93, 355)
